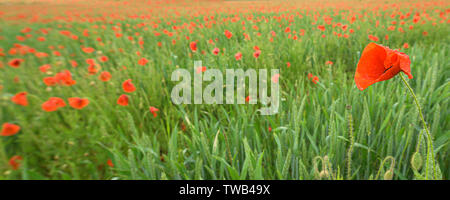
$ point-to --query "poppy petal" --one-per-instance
(370, 66)
(405, 63)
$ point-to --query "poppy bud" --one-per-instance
(389, 174)
(416, 161)
(324, 174)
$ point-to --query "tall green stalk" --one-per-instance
(430, 151)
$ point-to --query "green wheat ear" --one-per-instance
(352, 141)
(131, 125)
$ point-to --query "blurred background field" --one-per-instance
(325, 130)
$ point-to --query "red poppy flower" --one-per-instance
(256, 53)
(215, 51)
(123, 100)
(315, 79)
(321, 27)
(287, 30)
(200, 69)
(228, 34)
(193, 46)
(88, 49)
(373, 38)
(78, 103)
(50, 81)
(90, 61)
(65, 78)
(53, 104)
(379, 63)
(153, 110)
(275, 78)
(128, 86)
(74, 63)
(142, 61)
(44, 68)
(104, 76)
(110, 163)
(406, 45)
(103, 58)
(238, 56)
(92, 69)
(20, 99)
(15, 62)
(9, 129)
(14, 162)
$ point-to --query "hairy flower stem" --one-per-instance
(430, 151)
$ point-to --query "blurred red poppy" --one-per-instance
(315, 79)
(275, 78)
(123, 100)
(104, 58)
(65, 78)
(215, 51)
(142, 61)
(110, 163)
(153, 110)
(88, 49)
(20, 99)
(78, 103)
(53, 104)
(50, 81)
(228, 34)
(14, 162)
(373, 38)
(9, 129)
(105, 76)
(73, 63)
(238, 56)
(128, 86)
(193, 46)
(44, 68)
(200, 69)
(256, 53)
(15, 63)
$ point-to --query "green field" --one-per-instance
(324, 130)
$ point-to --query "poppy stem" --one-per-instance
(429, 138)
